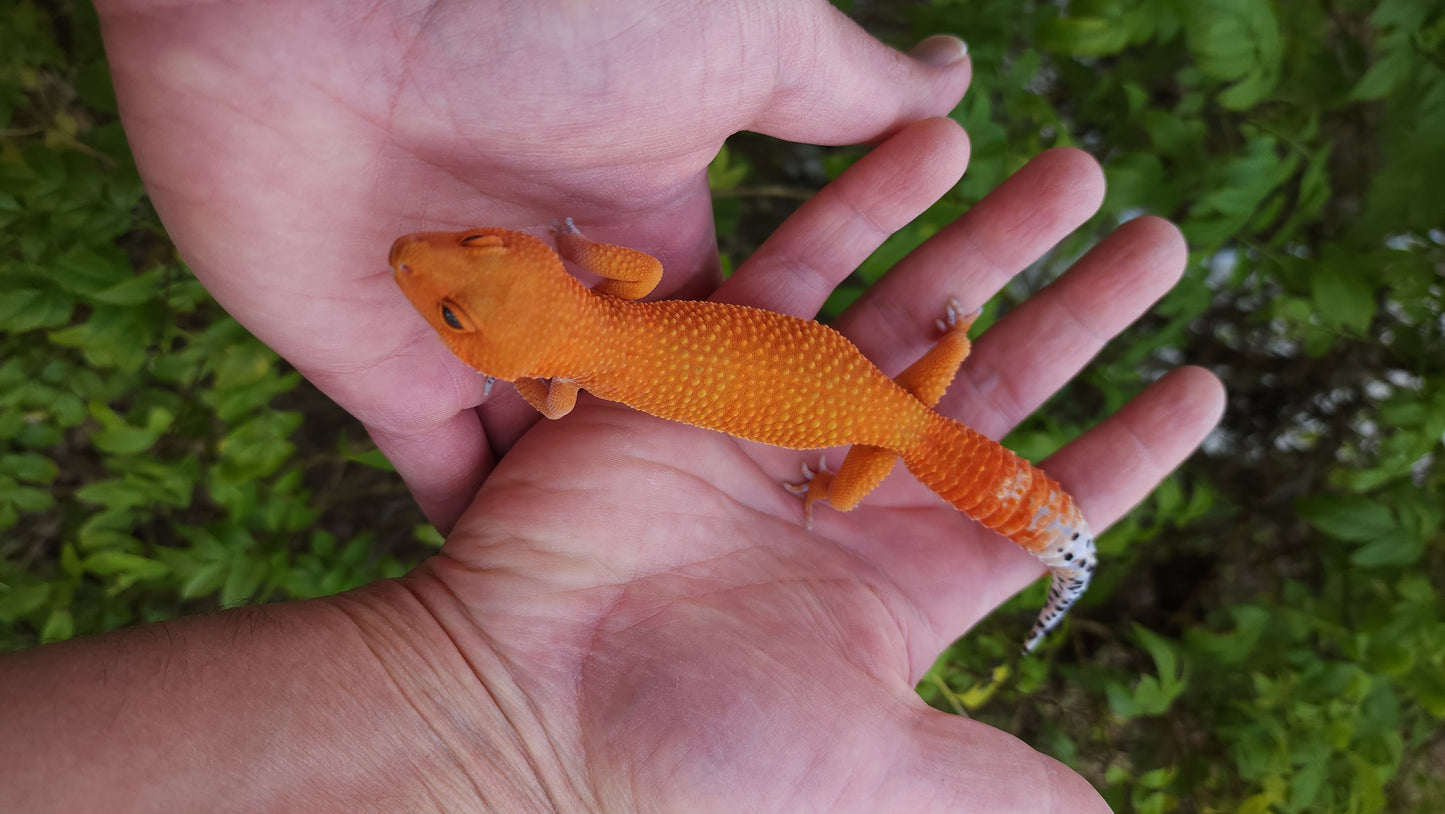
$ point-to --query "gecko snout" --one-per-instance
(398, 249)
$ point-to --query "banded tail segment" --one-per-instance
(1012, 497)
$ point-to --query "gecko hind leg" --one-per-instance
(930, 376)
(813, 488)
(865, 466)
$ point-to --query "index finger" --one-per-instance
(795, 270)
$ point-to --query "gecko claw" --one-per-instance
(564, 226)
(487, 386)
(808, 474)
(954, 318)
(805, 488)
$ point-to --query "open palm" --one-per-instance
(287, 142)
(644, 597)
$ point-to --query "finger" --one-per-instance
(444, 466)
(796, 269)
(1028, 355)
(415, 404)
(837, 84)
(965, 765)
(1108, 470)
(1116, 464)
(973, 257)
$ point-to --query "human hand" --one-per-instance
(285, 144)
(642, 598)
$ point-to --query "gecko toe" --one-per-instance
(955, 318)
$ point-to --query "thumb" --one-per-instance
(981, 769)
(837, 84)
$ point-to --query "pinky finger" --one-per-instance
(1108, 470)
(1115, 465)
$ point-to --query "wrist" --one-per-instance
(346, 703)
(482, 739)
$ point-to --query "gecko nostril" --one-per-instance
(403, 269)
(398, 246)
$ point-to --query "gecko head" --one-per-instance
(492, 295)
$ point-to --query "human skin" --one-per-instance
(631, 615)
(286, 143)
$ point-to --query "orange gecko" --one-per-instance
(504, 303)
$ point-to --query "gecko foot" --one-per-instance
(954, 318)
(813, 488)
(565, 226)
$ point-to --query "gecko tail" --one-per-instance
(1068, 579)
(1012, 497)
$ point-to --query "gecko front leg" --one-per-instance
(553, 399)
(627, 273)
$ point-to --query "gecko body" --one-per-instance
(504, 303)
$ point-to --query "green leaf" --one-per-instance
(89, 270)
(427, 535)
(1121, 701)
(1150, 695)
(59, 626)
(1248, 92)
(1306, 782)
(1352, 518)
(1384, 76)
(114, 493)
(726, 171)
(1083, 36)
(120, 438)
(29, 309)
(110, 528)
(120, 563)
(1171, 133)
(29, 467)
(205, 581)
(8, 515)
(1399, 548)
(243, 582)
(17, 601)
(1367, 793)
(70, 562)
(139, 289)
(1136, 179)
(1231, 39)
(113, 337)
(92, 85)
(1343, 299)
(23, 498)
(123, 440)
(367, 455)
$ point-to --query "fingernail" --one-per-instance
(940, 50)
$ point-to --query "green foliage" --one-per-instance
(1151, 694)
(145, 467)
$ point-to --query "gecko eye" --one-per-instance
(455, 316)
(481, 241)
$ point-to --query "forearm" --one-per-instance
(323, 705)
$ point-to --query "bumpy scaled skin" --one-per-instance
(503, 302)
